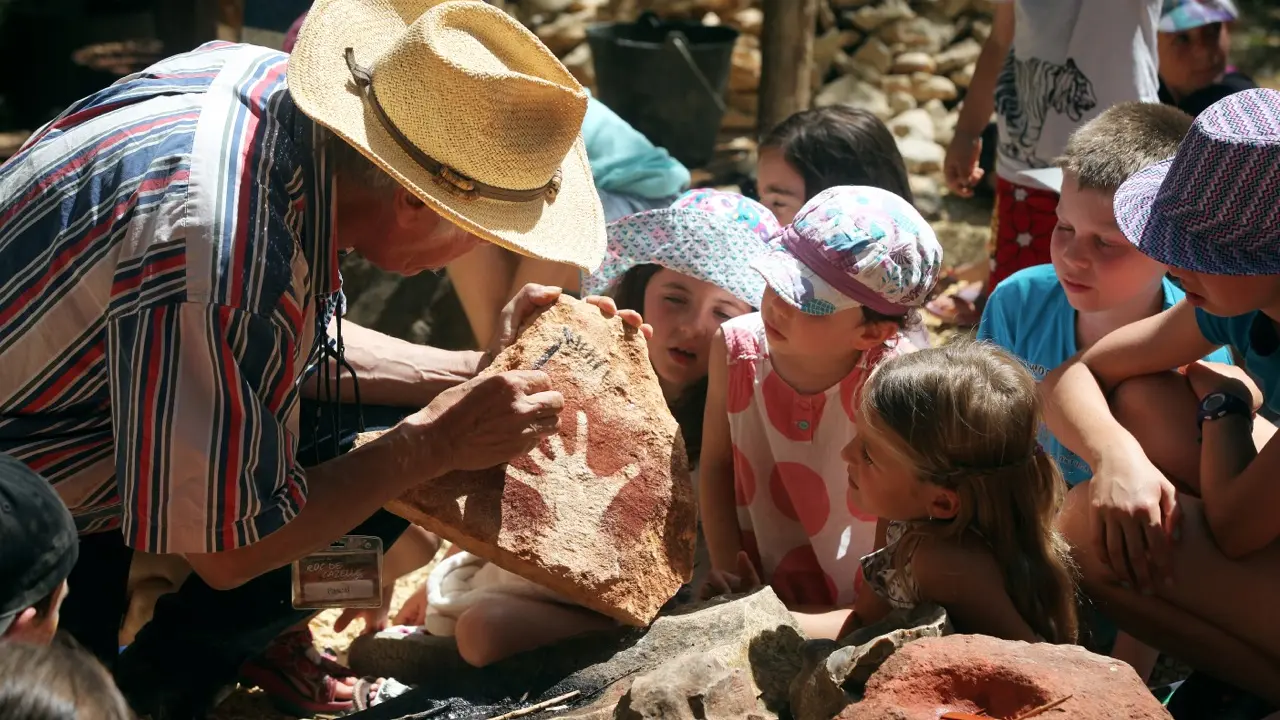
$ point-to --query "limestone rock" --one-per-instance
(581, 65)
(952, 9)
(900, 102)
(602, 513)
(875, 53)
(914, 62)
(926, 87)
(744, 72)
(957, 56)
(549, 7)
(834, 674)
(918, 33)
(850, 4)
(980, 30)
(872, 17)
(563, 34)
(927, 192)
(696, 686)
(984, 7)
(850, 90)
(922, 156)
(964, 75)
(974, 673)
(755, 634)
(748, 20)
(825, 48)
(915, 123)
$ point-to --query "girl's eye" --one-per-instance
(866, 457)
(723, 316)
(1102, 244)
(675, 299)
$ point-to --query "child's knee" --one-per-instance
(1073, 522)
(1143, 401)
(478, 642)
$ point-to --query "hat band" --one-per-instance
(841, 281)
(445, 176)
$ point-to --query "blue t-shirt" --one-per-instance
(1254, 337)
(624, 161)
(1029, 315)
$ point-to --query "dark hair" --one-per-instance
(840, 145)
(628, 294)
(905, 321)
(56, 682)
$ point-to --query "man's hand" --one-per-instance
(1207, 378)
(531, 301)
(375, 619)
(1134, 522)
(961, 164)
(725, 583)
(488, 421)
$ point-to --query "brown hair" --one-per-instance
(56, 682)
(1124, 139)
(965, 416)
(840, 145)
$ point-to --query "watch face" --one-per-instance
(1214, 401)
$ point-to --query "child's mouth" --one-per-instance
(683, 357)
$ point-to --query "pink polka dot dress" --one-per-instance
(798, 522)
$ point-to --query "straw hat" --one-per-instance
(465, 108)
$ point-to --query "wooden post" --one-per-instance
(786, 46)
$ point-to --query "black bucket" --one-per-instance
(667, 79)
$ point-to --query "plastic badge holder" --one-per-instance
(348, 574)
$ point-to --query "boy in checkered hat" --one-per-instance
(1177, 533)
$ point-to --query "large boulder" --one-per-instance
(738, 654)
(976, 673)
(602, 513)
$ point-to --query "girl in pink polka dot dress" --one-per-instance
(947, 453)
(843, 282)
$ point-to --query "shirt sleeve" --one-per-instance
(204, 405)
(1216, 330)
(994, 325)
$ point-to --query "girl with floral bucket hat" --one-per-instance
(1177, 533)
(844, 281)
(688, 268)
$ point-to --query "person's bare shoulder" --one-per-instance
(947, 568)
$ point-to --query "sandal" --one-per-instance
(302, 680)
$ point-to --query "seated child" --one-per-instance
(946, 452)
(1098, 281)
(1176, 534)
(822, 148)
(844, 280)
(1195, 42)
(38, 550)
(687, 270)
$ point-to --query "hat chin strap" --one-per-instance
(445, 176)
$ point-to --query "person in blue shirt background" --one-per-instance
(1098, 281)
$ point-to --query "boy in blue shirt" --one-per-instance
(1098, 281)
(1178, 534)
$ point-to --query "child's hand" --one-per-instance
(1207, 378)
(375, 619)
(414, 610)
(725, 583)
(961, 164)
(1134, 523)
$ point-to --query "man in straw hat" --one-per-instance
(169, 249)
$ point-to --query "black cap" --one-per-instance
(38, 542)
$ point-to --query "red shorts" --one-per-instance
(1021, 228)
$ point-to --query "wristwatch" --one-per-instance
(1219, 405)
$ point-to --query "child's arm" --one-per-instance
(969, 584)
(716, 499)
(1237, 482)
(1131, 498)
(961, 167)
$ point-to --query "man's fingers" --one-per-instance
(529, 382)
(344, 620)
(546, 404)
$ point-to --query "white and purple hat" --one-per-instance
(710, 235)
(1183, 15)
(1215, 206)
(852, 247)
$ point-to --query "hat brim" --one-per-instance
(569, 229)
(799, 287)
(1171, 24)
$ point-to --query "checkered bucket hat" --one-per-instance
(1183, 15)
(1215, 206)
(854, 246)
(706, 234)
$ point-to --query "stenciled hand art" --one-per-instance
(576, 496)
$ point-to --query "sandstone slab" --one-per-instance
(602, 513)
(975, 673)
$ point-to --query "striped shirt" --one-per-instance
(164, 245)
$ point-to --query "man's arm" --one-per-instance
(395, 372)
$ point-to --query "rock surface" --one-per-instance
(602, 513)
(974, 673)
(834, 674)
(739, 654)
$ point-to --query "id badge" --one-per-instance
(347, 574)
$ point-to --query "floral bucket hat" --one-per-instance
(709, 235)
(851, 247)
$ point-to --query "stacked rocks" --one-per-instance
(907, 61)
